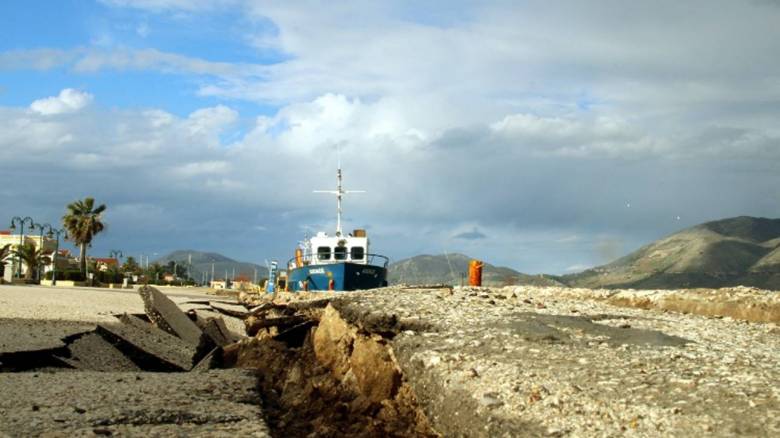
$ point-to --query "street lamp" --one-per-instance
(21, 222)
(42, 228)
(116, 254)
(52, 233)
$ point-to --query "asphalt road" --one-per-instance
(80, 304)
(67, 311)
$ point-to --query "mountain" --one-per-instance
(202, 261)
(447, 269)
(736, 251)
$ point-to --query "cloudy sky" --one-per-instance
(544, 136)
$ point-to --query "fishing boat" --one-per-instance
(338, 262)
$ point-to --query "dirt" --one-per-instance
(340, 381)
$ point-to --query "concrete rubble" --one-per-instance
(405, 361)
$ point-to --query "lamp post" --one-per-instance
(52, 233)
(116, 254)
(42, 228)
(21, 222)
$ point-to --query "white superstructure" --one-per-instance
(339, 248)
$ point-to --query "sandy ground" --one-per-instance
(80, 304)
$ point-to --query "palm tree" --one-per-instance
(5, 251)
(32, 256)
(155, 271)
(131, 266)
(83, 222)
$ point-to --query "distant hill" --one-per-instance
(736, 251)
(202, 261)
(447, 269)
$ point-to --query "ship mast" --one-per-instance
(339, 192)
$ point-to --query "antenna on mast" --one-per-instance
(339, 192)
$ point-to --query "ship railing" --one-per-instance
(369, 259)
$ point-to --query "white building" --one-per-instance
(11, 263)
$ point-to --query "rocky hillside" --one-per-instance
(202, 261)
(729, 252)
(448, 269)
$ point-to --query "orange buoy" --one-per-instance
(475, 273)
(298, 257)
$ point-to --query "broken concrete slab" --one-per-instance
(167, 316)
(217, 331)
(236, 310)
(551, 327)
(92, 352)
(234, 325)
(211, 361)
(216, 403)
(147, 346)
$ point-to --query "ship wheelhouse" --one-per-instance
(326, 249)
(323, 249)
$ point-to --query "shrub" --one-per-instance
(109, 277)
(66, 275)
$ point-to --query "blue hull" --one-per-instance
(346, 276)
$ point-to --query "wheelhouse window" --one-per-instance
(340, 253)
(358, 253)
(323, 252)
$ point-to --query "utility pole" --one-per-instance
(255, 281)
(212, 272)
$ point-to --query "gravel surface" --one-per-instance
(528, 362)
(218, 403)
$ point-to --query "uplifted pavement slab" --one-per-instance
(167, 316)
(501, 362)
(149, 345)
(216, 403)
(236, 326)
(93, 353)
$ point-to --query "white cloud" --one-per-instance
(202, 168)
(68, 101)
(577, 136)
(211, 120)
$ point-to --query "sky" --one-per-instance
(548, 137)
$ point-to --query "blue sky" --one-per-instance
(217, 36)
(547, 137)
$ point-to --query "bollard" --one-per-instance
(475, 273)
